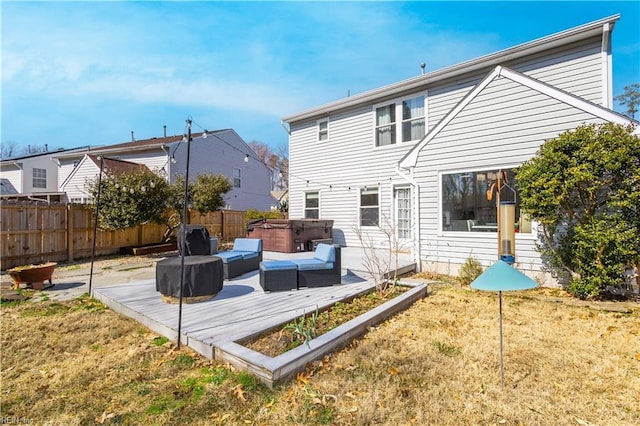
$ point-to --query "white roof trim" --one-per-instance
(411, 158)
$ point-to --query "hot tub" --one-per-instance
(290, 235)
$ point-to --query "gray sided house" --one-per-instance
(421, 157)
(219, 152)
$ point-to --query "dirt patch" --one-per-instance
(293, 334)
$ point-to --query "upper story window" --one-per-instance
(386, 125)
(409, 112)
(413, 124)
(323, 130)
(39, 178)
(369, 206)
(469, 202)
(236, 178)
(311, 205)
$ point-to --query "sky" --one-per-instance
(89, 73)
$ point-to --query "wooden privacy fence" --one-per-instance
(57, 233)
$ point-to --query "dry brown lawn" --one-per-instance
(566, 363)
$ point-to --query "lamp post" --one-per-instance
(183, 231)
(95, 222)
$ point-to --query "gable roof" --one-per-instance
(144, 144)
(410, 159)
(110, 167)
(421, 82)
(40, 154)
(113, 167)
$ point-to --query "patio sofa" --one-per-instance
(323, 270)
(245, 256)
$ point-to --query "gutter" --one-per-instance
(417, 246)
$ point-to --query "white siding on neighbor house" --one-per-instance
(64, 170)
(14, 176)
(154, 159)
(220, 154)
(497, 129)
(40, 162)
(76, 187)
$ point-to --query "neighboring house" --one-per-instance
(219, 152)
(88, 169)
(32, 177)
(419, 157)
(281, 196)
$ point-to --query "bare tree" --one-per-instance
(381, 256)
(277, 163)
(630, 98)
(8, 149)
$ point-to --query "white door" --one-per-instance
(402, 197)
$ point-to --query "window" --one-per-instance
(323, 130)
(410, 113)
(403, 212)
(386, 125)
(413, 119)
(469, 202)
(369, 209)
(311, 205)
(236, 178)
(39, 178)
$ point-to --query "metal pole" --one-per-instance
(95, 223)
(184, 229)
(501, 364)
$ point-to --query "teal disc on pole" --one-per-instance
(502, 277)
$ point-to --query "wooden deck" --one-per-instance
(242, 310)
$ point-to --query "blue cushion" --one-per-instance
(227, 256)
(248, 254)
(325, 253)
(247, 244)
(273, 265)
(311, 264)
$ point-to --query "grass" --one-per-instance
(78, 363)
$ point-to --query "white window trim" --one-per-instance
(398, 122)
(39, 178)
(304, 201)
(323, 120)
(360, 225)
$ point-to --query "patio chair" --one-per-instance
(324, 269)
(245, 256)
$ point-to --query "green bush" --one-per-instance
(252, 214)
(470, 270)
(583, 187)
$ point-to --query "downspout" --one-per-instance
(607, 93)
(417, 246)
